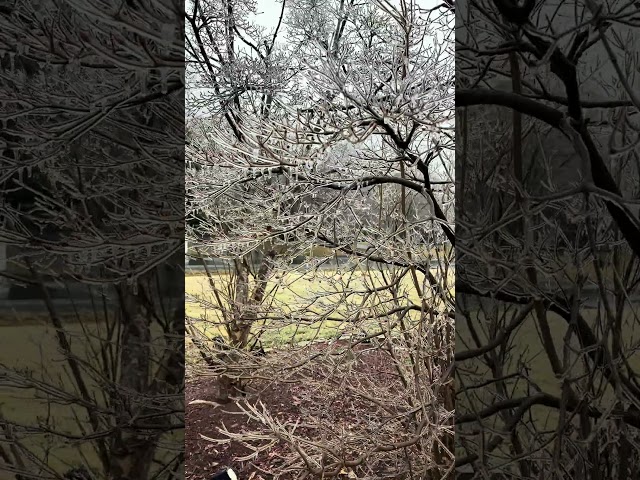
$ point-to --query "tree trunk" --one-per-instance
(243, 318)
(132, 452)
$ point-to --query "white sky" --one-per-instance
(268, 13)
(269, 10)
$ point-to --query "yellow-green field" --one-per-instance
(527, 349)
(301, 307)
(32, 349)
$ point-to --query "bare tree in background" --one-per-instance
(546, 302)
(356, 160)
(91, 171)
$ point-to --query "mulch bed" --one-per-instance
(204, 458)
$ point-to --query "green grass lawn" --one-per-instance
(32, 348)
(527, 349)
(303, 307)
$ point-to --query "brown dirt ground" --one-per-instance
(204, 458)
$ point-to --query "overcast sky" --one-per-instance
(268, 13)
(269, 10)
